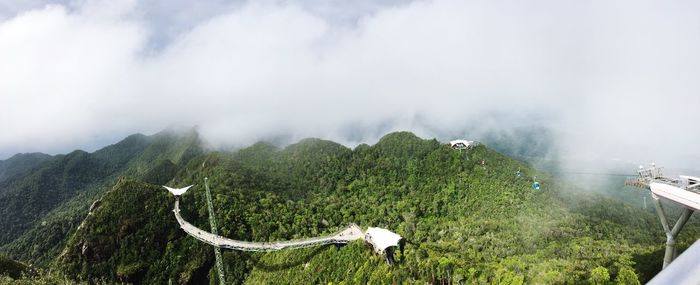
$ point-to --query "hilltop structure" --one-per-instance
(462, 144)
(384, 241)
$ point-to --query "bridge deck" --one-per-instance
(348, 234)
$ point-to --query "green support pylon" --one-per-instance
(212, 223)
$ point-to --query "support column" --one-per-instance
(212, 223)
(671, 234)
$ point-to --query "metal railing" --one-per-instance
(346, 235)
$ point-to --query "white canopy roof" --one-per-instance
(177, 191)
(465, 142)
(382, 238)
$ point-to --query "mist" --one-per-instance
(608, 81)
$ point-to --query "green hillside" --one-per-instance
(43, 205)
(20, 163)
(12, 269)
(464, 222)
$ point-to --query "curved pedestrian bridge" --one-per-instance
(346, 235)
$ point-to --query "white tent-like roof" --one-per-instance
(461, 143)
(177, 191)
(381, 238)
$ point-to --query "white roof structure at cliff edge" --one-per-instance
(461, 144)
(382, 238)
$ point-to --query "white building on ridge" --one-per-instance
(384, 241)
(462, 144)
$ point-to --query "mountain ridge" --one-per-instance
(464, 220)
(58, 190)
(21, 162)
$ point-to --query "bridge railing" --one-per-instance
(223, 242)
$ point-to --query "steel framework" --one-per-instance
(212, 223)
(682, 191)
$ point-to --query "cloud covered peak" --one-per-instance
(613, 80)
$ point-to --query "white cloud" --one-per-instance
(614, 79)
(58, 71)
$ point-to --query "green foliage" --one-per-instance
(122, 236)
(626, 276)
(464, 223)
(11, 268)
(599, 275)
(20, 163)
(44, 205)
(46, 278)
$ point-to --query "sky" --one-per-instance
(612, 80)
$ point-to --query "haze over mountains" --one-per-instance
(103, 216)
(600, 76)
(302, 109)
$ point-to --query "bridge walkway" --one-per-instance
(346, 235)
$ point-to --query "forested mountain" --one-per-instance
(44, 203)
(20, 163)
(467, 217)
(11, 268)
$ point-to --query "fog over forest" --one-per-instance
(608, 81)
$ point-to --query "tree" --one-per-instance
(599, 275)
(626, 276)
